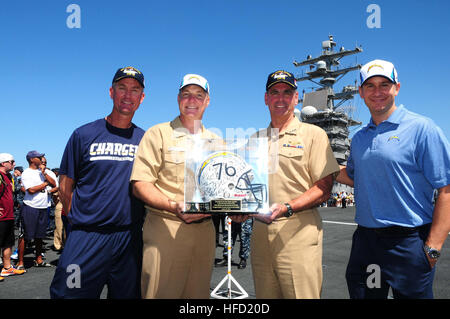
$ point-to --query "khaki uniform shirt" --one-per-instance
(160, 159)
(298, 157)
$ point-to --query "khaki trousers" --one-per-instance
(287, 257)
(58, 233)
(178, 258)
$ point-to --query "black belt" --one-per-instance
(396, 230)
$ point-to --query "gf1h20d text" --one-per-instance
(226, 308)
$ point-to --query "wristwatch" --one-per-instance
(431, 252)
(290, 211)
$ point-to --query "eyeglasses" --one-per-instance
(10, 162)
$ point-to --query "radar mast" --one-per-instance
(323, 107)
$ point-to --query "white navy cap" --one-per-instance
(196, 79)
(378, 68)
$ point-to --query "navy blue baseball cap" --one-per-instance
(281, 77)
(33, 154)
(129, 72)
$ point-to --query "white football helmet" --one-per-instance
(225, 175)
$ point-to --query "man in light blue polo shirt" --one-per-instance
(395, 163)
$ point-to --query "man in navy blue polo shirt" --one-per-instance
(395, 164)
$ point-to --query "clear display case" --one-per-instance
(226, 176)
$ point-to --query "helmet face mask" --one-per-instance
(225, 175)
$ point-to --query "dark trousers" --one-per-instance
(217, 220)
(385, 258)
(244, 231)
(91, 260)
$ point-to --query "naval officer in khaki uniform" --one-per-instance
(286, 246)
(179, 249)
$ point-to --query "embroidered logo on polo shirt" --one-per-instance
(395, 138)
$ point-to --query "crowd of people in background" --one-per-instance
(30, 207)
(340, 199)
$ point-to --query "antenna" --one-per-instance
(332, 114)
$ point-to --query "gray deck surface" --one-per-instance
(338, 230)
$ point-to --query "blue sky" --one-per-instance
(57, 78)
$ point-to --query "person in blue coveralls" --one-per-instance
(105, 244)
(395, 164)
